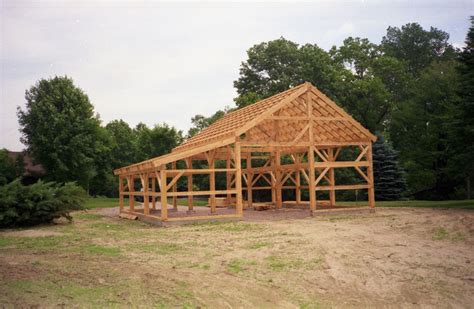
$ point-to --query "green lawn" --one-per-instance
(103, 202)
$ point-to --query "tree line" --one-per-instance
(414, 90)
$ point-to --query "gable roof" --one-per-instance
(330, 124)
(235, 120)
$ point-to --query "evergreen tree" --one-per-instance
(389, 178)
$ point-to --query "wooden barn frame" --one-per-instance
(300, 126)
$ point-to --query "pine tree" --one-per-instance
(389, 177)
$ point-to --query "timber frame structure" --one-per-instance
(290, 141)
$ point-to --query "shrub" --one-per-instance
(38, 203)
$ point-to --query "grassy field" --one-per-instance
(409, 257)
(102, 202)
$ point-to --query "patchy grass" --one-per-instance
(110, 251)
(440, 234)
(87, 216)
(102, 202)
(456, 204)
(259, 244)
(99, 261)
(279, 263)
(236, 266)
(184, 202)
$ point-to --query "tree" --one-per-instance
(124, 146)
(159, 140)
(275, 66)
(9, 168)
(201, 122)
(420, 131)
(362, 92)
(416, 46)
(389, 177)
(463, 124)
(60, 130)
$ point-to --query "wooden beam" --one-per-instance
(249, 182)
(278, 178)
(189, 165)
(197, 193)
(120, 193)
(146, 205)
(271, 169)
(332, 179)
(238, 181)
(164, 197)
(297, 160)
(212, 181)
(228, 175)
(175, 187)
(311, 148)
(370, 174)
(131, 198)
(153, 190)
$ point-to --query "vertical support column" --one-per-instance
(249, 180)
(228, 176)
(332, 181)
(238, 179)
(279, 202)
(131, 189)
(164, 197)
(272, 178)
(189, 165)
(312, 187)
(311, 175)
(153, 191)
(370, 174)
(146, 198)
(175, 186)
(212, 181)
(121, 193)
(298, 179)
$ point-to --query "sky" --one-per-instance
(155, 62)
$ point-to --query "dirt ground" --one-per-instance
(400, 257)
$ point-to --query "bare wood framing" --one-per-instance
(301, 123)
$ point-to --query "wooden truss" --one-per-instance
(300, 126)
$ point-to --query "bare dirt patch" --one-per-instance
(396, 257)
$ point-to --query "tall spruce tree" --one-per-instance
(389, 178)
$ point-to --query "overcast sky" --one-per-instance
(160, 62)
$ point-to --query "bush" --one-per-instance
(41, 202)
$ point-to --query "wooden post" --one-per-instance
(298, 179)
(311, 171)
(370, 174)
(228, 177)
(312, 187)
(153, 190)
(175, 186)
(164, 198)
(189, 165)
(279, 202)
(121, 193)
(131, 189)
(272, 179)
(332, 181)
(238, 179)
(146, 206)
(249, 180)
(212, 181)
